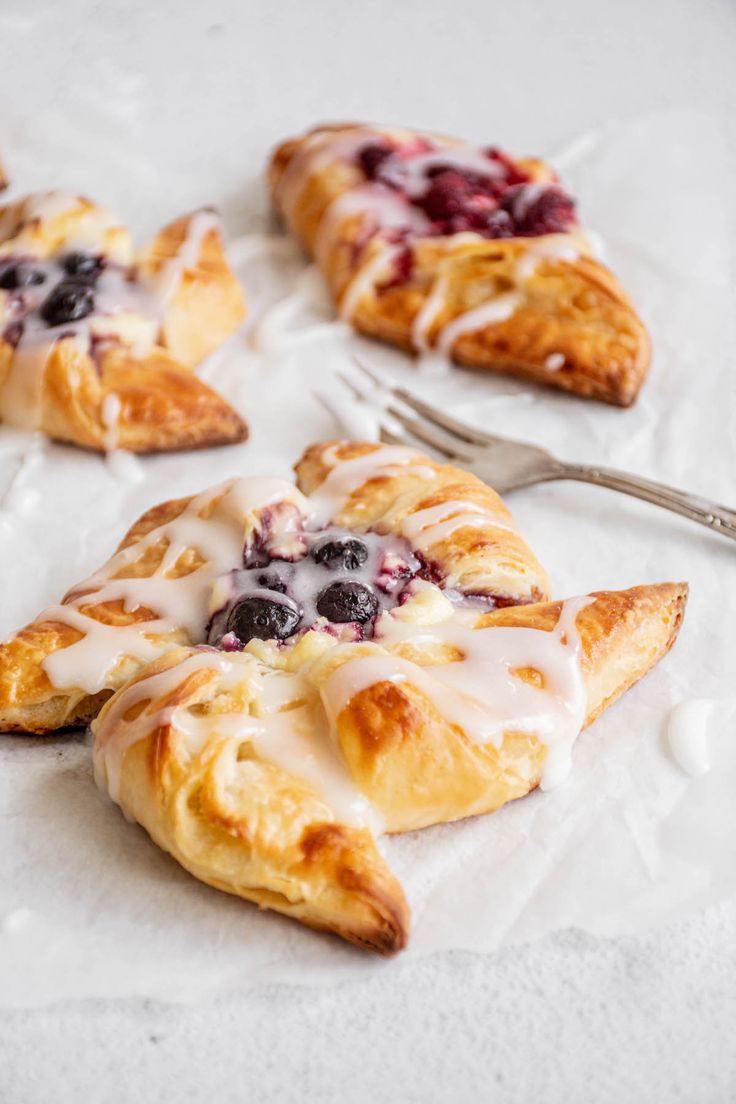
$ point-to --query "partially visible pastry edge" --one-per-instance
(617, 385)
(356, 895)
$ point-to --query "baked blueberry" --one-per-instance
(347, 553)
(84, 266)
(68, 302)
(259, 618)
(346, 600)
(20, 275)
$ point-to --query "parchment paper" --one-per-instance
(90, 907)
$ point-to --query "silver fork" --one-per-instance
(507, 464)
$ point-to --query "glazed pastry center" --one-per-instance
(478, 191)
(335, 580)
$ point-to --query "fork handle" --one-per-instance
(718, 518)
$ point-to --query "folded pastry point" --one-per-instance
(204, 303)
(218, 786)
(450, 721)
(432, 244)
(96, 345)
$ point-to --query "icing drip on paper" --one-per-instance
(19, 497)
(688, 731)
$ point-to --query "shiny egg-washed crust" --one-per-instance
(484, 560)
(246, 826)
(164, 406)
(576, 309)
(249, 827)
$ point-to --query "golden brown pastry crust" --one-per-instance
(247, 826)
(138, 362)
(571, 309)
(420, 769)
(210, 795)
(494, 560)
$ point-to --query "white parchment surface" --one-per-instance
(90, 907)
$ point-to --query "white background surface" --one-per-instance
(157, 108)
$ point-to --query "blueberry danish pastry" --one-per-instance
(279, 673)
(97, 344)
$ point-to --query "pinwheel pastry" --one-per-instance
(97, 344)
(432, 244)
(299, 668)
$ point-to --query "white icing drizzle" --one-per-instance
(346, 476)
(434, 524)
(286, 731)
(388, 210)
(480, 693)
(550, 247)
(366, 278)
(123, 465)
(110, 414)
(168, 279)
(426, 315)
(495, 310)
(181, 605)
(412, 170)
(21, 396)
(91, 223)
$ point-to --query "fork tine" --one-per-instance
(452, 426)
(427, 435)
(445, 446)
(389, 438)
(390, 432)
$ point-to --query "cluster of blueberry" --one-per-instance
(278, 597)
(503, 204)
(70, 299)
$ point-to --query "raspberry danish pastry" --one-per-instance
(96, 344)
(429, 243)
(300, 668)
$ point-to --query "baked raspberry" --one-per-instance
(548, 210)
(512, 173)
(372, 156)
